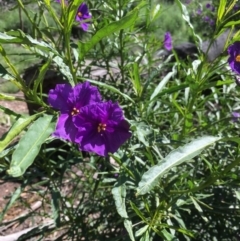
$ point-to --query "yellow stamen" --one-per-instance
(101, 127)
(237, 58)
(75, 111)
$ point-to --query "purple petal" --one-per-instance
(83, 8)
(235, 116)
(84, 26)
(93, 142)
(106, 140)
(168, 41)
(102, 144)
(208, 5)
(65, 128)
(84, 94)
(234, 58)
(58, 97)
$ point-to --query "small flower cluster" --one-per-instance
(203, 17)
(84, 119)
(82, 15)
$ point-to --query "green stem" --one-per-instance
(210, 181)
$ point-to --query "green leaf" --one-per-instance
(55, 203)
(146, 237)
(72, 11)
(16, 129)
(111, 28)
(4, 74)
(142, 131)
(14, 197)
(162, 84)
(119, 195)
(138, 212)
(221, 10)
(168, 236)
(30, 144)
(64, 69)
(141, 231)
(29, 41)
(237, 194)
(176, 157)
(156, 12)
(186, 17)
(231, 23)
(128, 226)
(43, 70)
(198, 207)
(6, 97)
(135, 79)
(5, 38)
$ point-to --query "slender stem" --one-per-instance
(211, 180)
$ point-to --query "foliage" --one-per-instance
(177, 177)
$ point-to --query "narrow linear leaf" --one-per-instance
(141, 231)
(6, 97)
(138, 212)
(176, 157)
(198, 207)
(42, 72)
(221, 10)
(162, 84)
(30, 144)
(135, 79)
(168, 236)
(55, 203)
(14, 197)
(4, 38)
(16, 129)
(128, 226)
(72, 11)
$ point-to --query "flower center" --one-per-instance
(74, 111)
(79, 14)
(101, 127)
(237, 58)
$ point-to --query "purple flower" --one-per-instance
(235, 116)
(236, 7)
(208, 5)
(211, 22)
(206, 18)
(234, 58)
(168, 41)
(70, 100)
(101, 128)
(199, 11)
(82, 15)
